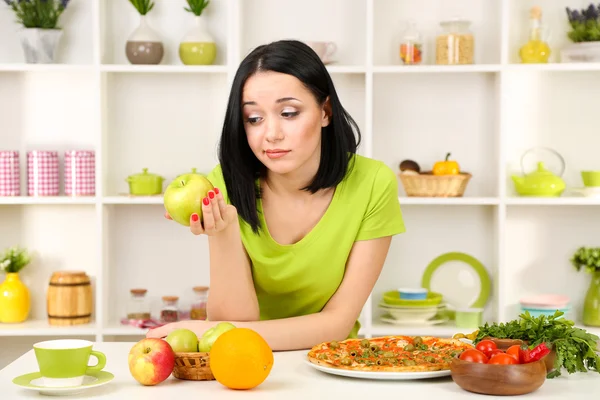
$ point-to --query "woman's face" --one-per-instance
(283, 122)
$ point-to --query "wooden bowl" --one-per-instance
(193, 366)
(498, 379)
(504, 344)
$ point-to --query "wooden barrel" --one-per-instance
(69, 298)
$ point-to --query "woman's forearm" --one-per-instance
(293, 333)
(232, 295)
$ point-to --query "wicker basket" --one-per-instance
(193, 367)
(426, 184)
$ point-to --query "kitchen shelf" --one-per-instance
(168, 118)
(42, 328)
(442, 330)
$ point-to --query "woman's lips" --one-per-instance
(273, 154)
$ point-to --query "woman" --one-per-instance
(298, 224)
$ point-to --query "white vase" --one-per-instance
(198, 46)
(39, 45)
(144, 45)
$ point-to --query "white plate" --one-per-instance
(416, 322)
(391, 376)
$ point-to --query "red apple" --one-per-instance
(151, 361)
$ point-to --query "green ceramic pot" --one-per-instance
(591, 304)
(145, 184)
(591, 178)
(198, 47)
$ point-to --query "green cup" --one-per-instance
(591, 178)
(64, 362)
(469, 318)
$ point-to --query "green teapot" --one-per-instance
(541, 182)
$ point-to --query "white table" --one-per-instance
(290, 379)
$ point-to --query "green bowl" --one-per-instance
(591, 178)
(393, 298)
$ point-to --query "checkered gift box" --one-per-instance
(10, 184)
(80, 173)
(42, 173)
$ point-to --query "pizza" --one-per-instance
(389, 353)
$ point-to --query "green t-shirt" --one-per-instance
(299, 279)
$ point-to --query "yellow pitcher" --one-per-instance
(15, 300)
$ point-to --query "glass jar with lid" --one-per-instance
(455, 44)
(170, 309)
(411, 45)
(138, 307)
(198, 310)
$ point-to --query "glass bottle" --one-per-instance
(198, 310)
(536, 50)
(411, 45)
(169, 311)
(455, 44)
(138, 306)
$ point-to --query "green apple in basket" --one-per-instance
(211, 335)
(183, 197)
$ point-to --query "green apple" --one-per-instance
(183, 341)
(184, 195)
(209, 337)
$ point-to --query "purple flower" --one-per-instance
(9, 2)
(63, 3)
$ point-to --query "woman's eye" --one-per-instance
(289, 114)
(252, 120)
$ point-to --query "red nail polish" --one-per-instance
(195, 217)
(217, 190)
(211, 194)
(206, 201)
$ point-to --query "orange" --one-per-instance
(241, 359)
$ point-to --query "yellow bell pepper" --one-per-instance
(446, 167)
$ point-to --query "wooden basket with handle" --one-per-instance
(426, 184)
(193, 366)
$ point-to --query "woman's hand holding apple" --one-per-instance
(216, 215)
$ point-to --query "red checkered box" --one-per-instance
(10, 183)
(80, 173)
(42, 173)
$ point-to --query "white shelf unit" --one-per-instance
(167, 118)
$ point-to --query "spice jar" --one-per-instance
(411, 45)
(198, 310)
(138, 306)
(456, 44)
(169, 311)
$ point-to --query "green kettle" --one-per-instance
(541, 182)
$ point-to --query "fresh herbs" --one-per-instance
(42, 14)
(196, 7)
(585, 24)
(576, 349)
(14, 260)
(587, 258)
(143, 6)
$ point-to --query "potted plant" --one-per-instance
(197, 47)
(588, 259)
(144, 45)
(585, 35)
(15, 301)
(41, 34)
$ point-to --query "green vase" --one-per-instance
(198, 47)
(591, 305)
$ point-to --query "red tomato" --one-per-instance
(473, 355)
(486, 347)
(503, 359)
(491, 353)
(514, 351)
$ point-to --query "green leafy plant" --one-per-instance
(197, 6)
(587, 258)
(14, 259)
(576, 349)
(42, 14)
(585, 24)
(143, 6)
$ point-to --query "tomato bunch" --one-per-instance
(486, 352)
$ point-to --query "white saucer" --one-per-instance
(33, 381)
